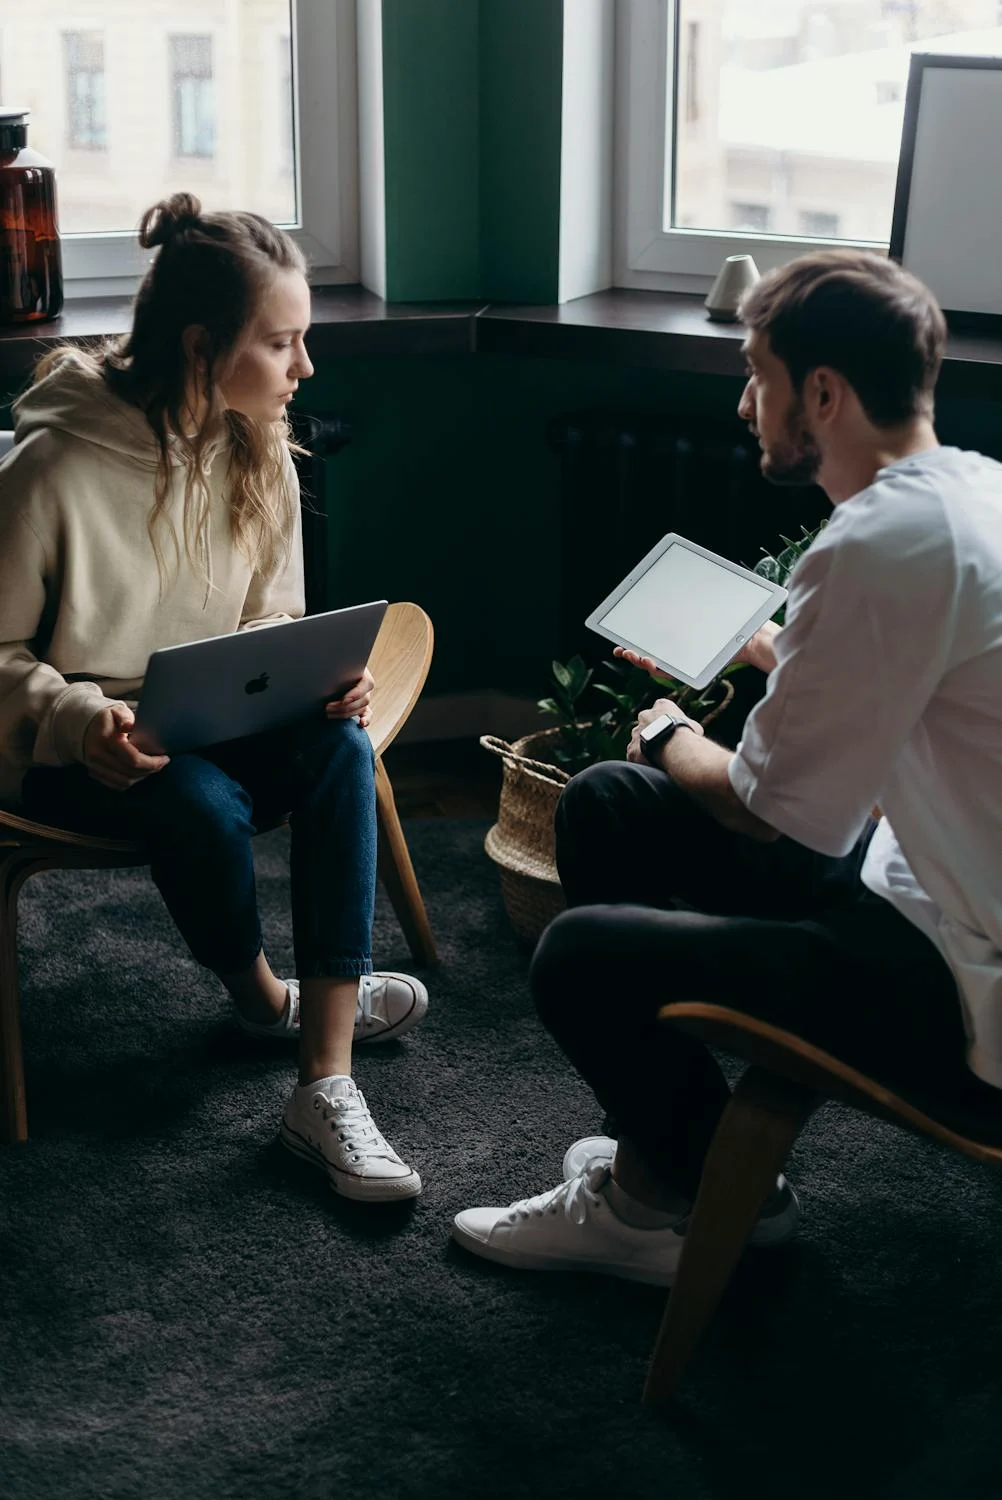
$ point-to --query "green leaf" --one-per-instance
(548, 706)
(562, 674)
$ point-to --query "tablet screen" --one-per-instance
(685, 609)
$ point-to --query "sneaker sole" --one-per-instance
(521, 1262)
(768, 1234)
(407, 1022)
(362, 1189)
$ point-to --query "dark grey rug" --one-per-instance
(187, 1311)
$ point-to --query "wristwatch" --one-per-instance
(658, 733)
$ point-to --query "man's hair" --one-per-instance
(861, 315)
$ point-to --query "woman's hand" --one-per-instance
(109, 756)
(355, 702)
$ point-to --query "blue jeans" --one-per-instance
(198, 815)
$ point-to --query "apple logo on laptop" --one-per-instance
(257, 684)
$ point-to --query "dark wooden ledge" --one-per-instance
(655, 330)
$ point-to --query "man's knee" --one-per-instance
(555, 975)
(588, 798)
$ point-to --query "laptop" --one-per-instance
(229, 686)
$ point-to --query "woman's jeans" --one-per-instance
(196, 819)
(666, 904)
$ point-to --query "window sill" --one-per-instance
(656, 330)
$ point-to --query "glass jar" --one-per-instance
(31, 273)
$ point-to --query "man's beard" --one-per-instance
(797, 459)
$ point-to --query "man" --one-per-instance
(758, 878)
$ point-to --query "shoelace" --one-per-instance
(349, 1117)
(576, 1197)
(370, 985)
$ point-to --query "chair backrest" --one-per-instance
(399, 663)
(781, 1052)
(6, 442)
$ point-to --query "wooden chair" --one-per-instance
(787, 1080)
(399, 663)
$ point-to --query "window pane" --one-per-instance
(155, 98)
(788, 113)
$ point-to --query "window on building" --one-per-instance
(86, 119)
(816, 225)
(754, 218)
(800, 105)
(193, 102)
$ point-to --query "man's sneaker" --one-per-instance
(328, 1123)
(776, 1223)
(389, 1004)
(571, 1228)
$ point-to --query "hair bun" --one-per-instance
(167, 219)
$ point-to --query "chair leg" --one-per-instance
(13, 1109)
(749, 1150)
(397, 873)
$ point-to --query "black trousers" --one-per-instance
(666, 904)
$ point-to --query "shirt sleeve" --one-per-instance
(869, 626)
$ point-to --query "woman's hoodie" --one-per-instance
(81, 607)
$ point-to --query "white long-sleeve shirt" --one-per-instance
(888, 690)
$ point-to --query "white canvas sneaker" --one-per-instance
(328, 1123)
(389, 1004)
(776, 1223)
(571, 1228)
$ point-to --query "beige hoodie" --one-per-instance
(79, 607)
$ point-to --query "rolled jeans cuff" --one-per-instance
(334, 968)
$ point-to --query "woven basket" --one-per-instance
(521, 843)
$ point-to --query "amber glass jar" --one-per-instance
(31, 273)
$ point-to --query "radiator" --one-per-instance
(322, 437)
(626, 479)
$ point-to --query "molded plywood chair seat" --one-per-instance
(788, 1078)
(399, 663)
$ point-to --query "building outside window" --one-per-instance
(193, 105)
(819, 226)
(86, 117)
(751, 217)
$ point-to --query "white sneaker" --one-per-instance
(388, 1005)
(328, 1123)
(776, 1223)
(571, 1228)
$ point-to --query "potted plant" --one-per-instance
(595, 716)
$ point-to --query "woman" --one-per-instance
(151, 500)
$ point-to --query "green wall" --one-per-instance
(471, 114)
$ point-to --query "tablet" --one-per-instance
(687, 608)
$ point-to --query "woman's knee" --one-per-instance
(196, 806)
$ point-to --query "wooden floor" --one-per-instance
(444, 779)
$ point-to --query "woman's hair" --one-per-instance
(211, 270)
(861, 315)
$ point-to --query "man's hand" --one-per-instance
(636, 660)
(662, 706)
(109, 756)
(355, 702)
(759, 651)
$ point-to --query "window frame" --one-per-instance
(646, 254)
(325, 90)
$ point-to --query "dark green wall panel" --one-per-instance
(431, 112)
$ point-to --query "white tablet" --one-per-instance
(687, 608)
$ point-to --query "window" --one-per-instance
(818, 226)
(778, 119)
(86, 126)
(193, 101)
(754, 217)
(248, 104)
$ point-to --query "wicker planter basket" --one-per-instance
(521, 843)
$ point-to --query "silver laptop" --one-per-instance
(233, 685)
